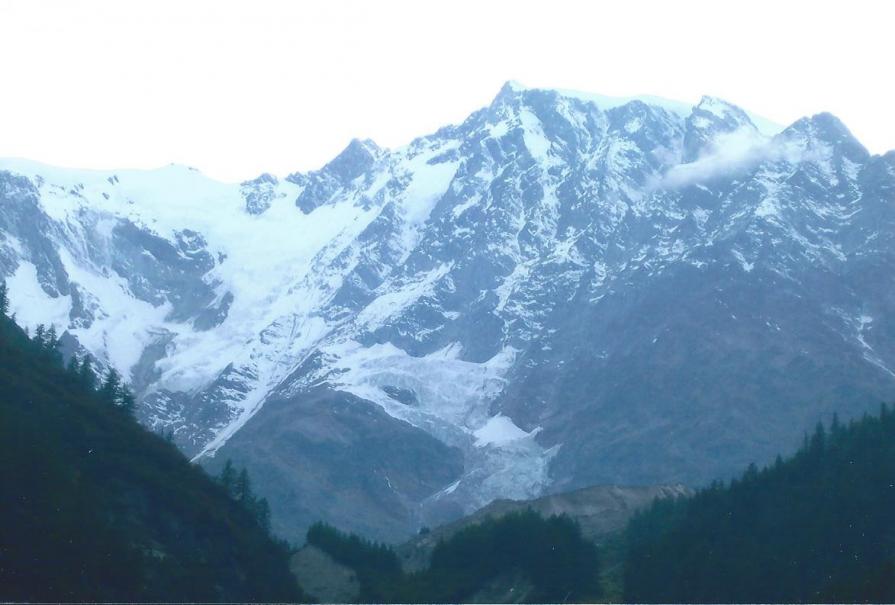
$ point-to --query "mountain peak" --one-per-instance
(510, 90)
(720, 108)
(511, 86)
(357, 157)
(710, 118)
(826, 128)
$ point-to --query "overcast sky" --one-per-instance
(240, 88)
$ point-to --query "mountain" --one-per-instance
(563, 290)
(96, 508)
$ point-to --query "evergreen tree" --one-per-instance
(262, 513)
(110, 390)
(242, 489)
(52, 339)
(51, 346)
(4, 299)
(127, 400)
(74, 366)
(40, 336)
(86, 376)
(227, 478)
(819, 439)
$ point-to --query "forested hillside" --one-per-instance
(817, 527)
(520, 557)
(94, 507)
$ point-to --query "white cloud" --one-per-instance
(728, 153)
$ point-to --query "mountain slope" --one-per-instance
(95, 508)
(561, 291)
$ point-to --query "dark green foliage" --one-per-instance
(551, 553)
(74, 366)
(46, 344)
(817, 527)
(111, 387)
(126, 400)
(239, 487)
(242, 491)
(113, 392)
(94, 507)
(874, 584)
(4, 299)
(39, 335)
(227, 478)
(377, 566)
(557, 563)
(86, 376)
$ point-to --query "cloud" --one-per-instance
(741, 150)
(729, 153)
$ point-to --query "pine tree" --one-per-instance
(4, 299)
(126, 400)
(228, 477)
(835, 426)
(52, 339)
(819, 439)
(262, 513)
(109, 392)
(242, 491)
(52, 345)
(86, 375)
(40, 336)
(74, 366)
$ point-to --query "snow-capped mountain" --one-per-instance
(562, 290)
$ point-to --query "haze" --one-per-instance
(240, 88)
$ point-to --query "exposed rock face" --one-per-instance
(560, 291)
(326, 450)
(323, 578)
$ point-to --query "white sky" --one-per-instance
(240, 88)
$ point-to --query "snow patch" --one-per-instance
(500, 430)
(747, 266)
(31, 304)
